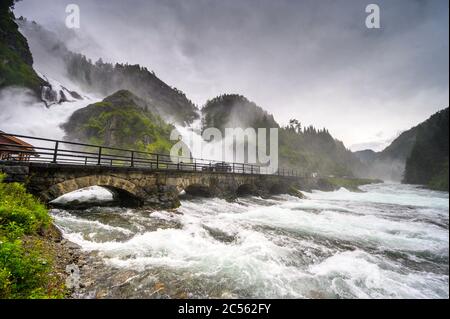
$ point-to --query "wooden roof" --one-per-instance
(18, 141)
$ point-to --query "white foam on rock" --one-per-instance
(90, 194)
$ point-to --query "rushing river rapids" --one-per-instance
(390, 242)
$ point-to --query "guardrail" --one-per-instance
(65, 152)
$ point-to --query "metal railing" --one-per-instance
(73, 153)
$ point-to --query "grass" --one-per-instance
(25, 262)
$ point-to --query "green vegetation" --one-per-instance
(307, 150)
(16, 62)
(25, 263)
(106, 78)
(310, 150)
(428, 162)
(232, 110)
(121, 120)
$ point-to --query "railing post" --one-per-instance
(251, 169)
(132, 159)
(55, 153)
(99, 160)
(157, 161)
(243, 168)
(233, 168)
(195, 164)
(85, 161)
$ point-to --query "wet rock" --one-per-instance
(122, 277)
(296, 193)
(220, 235)
(102, 293)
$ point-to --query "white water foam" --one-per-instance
(286, 247)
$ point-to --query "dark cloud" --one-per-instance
(313, 60)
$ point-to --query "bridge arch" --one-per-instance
(278, 188)
(194, 185)
(200, 190)
(246, 189)
(123, 190)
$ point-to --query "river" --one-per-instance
(391, 241)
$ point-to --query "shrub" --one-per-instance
(25, 265)
(21, 208)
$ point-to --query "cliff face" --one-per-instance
(16, 61)
(121, 120)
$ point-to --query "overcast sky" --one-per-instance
(311, 60)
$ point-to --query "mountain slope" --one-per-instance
(401, 147)
(428, 161)
(16, 61)
(389, 164)
(307, 150)
(232, 110)
(416, 156)
(104, 79)
(121, 120)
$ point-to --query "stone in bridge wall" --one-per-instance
(15, 173)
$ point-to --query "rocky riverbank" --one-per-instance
(67, 259)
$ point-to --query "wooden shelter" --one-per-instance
(15, 149)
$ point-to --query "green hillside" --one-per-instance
(121, 120)
(307, 150)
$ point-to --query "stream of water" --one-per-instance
(392, 241)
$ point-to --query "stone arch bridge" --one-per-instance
(147, 187)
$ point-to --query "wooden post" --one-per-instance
(132, 159)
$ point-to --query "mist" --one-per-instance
(21, 113)
(310, 60)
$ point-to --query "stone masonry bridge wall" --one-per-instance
(144, 186)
